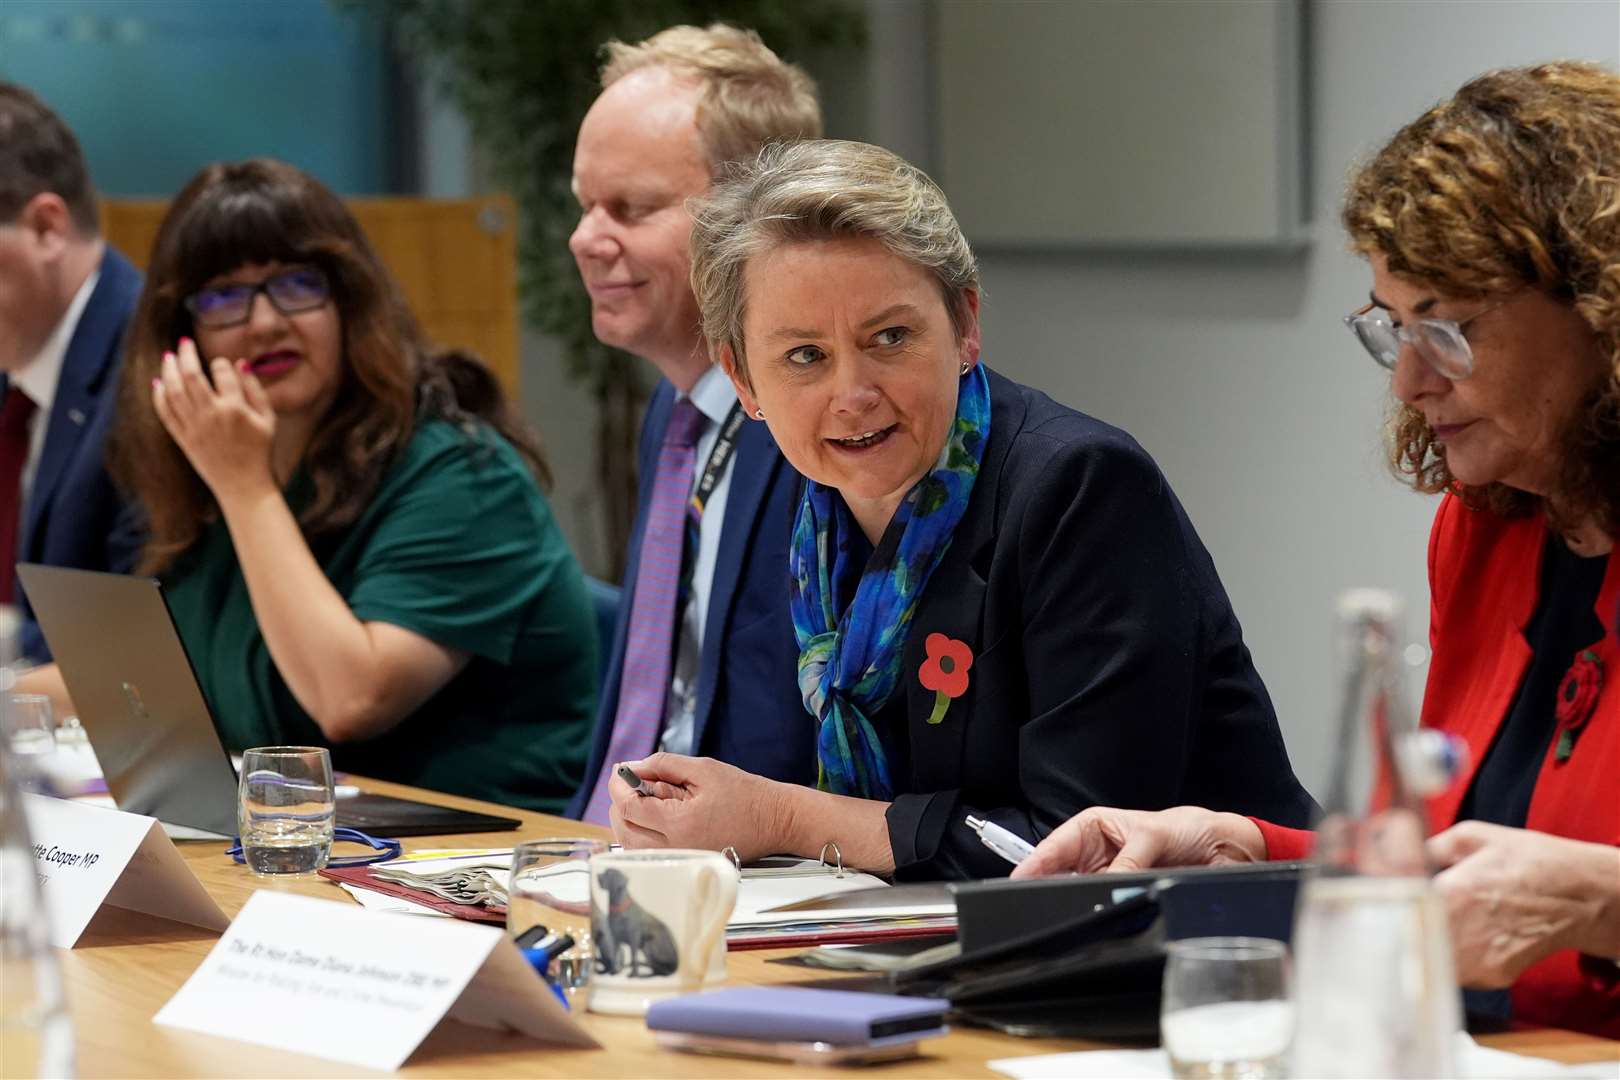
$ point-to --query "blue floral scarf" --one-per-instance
(851, 630)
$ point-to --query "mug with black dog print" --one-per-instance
(658, 925)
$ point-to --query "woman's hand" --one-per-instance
(700, 803)
(224, 428)
(1514, 897)
(1104, 838)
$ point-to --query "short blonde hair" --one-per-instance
(824, 189)
(751, 96)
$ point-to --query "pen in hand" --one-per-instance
(1008, 845)
(637, 784)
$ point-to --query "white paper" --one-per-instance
(1473, 1060)
(338, 982)
(756, 897)
(88, 856)
(372, 900)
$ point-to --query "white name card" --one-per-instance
(336, 981)
(88, 856)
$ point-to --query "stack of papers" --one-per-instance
(457, 883)
(822, 906)
(818, 907)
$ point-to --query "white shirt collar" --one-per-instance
(38, 377)
(713, 394)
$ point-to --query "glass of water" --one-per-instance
(285, 809)
(550, 888)
(29, 727)
(1226, 1012)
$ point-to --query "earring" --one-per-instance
(965, 366)
(759, 414)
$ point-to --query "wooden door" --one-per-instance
(456, 260)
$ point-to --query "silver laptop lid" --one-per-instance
(136, 694)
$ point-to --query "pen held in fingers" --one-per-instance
(636, 784)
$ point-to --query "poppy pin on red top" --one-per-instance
(945, 672)
(1577, 698)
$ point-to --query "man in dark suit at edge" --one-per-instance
(704, 659)
(64, 299)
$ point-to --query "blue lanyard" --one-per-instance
(386, 849)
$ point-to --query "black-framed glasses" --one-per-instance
(303, 288)
(1442, 343)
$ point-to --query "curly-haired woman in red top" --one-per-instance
(1492, 226)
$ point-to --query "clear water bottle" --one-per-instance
(1375, 988)
(35, 1031)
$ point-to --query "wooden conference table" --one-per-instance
(127, 966)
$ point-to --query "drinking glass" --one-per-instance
(551, 888)
(285, 809)
(1226, 1012)
(30, 729)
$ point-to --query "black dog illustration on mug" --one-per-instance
(630, 939)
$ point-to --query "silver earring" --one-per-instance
(965, 366)
(759, 414)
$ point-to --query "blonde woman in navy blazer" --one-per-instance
(1001, 607)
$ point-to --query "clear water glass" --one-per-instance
(550, 887)
(1226, 1011)
(30, 727)
(285, 809)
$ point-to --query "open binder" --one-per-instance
(789, 903)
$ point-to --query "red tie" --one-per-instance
(14, 416)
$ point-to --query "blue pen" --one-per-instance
(541, 956)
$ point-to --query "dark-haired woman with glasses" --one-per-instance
(1492, 226)
(350, 528)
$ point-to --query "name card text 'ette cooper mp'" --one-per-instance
(87, 856)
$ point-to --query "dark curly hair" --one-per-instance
(261, 211)
(1513, 183)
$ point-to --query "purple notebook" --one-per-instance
(800, 1014)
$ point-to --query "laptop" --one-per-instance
(137, 695)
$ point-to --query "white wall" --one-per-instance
(1236, 373)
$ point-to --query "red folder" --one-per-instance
(360, 877)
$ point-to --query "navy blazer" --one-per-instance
(1109, 668)
(748, 710)
(73, 509)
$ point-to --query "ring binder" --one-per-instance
(791, 866)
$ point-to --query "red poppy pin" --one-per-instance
(1577, 697)
(945, 672)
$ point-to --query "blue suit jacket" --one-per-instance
(748, 708)
(73, 510)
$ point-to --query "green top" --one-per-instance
(458, 545)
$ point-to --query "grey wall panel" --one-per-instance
(1121, 123)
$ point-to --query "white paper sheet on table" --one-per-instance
(1473, 1060)
(757, 896)
(390, 905)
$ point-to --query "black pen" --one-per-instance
(637, 784)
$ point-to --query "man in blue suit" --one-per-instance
(704, 659)
(65, 297)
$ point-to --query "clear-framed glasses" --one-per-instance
(1442, 343)
(303, 288)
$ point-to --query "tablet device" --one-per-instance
(131, 680)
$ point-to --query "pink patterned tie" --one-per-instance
(650, 640)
